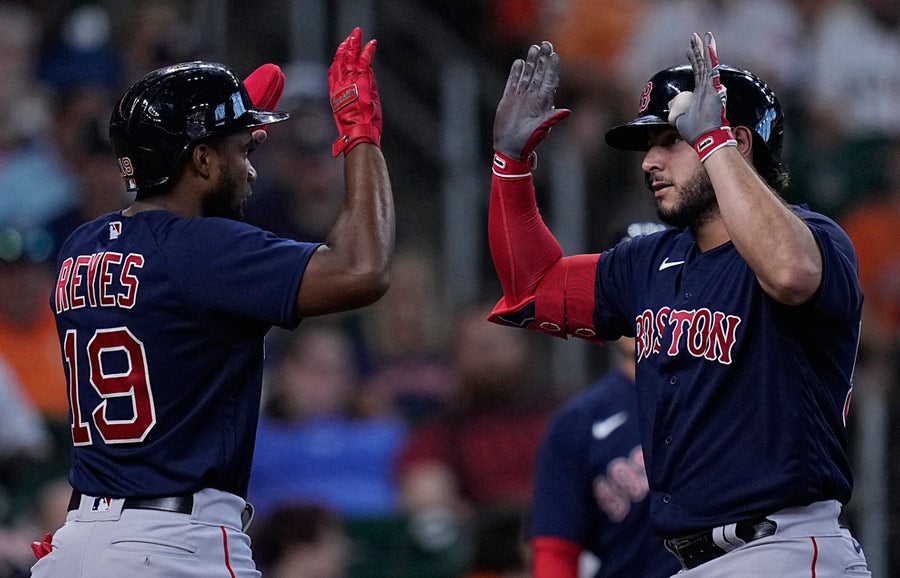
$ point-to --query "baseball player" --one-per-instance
(745, 316)
(162, 309)
(590, 486)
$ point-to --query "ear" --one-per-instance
(744, 138)
(202, 159)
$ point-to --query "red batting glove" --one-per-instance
(43, 547)
(354, 94)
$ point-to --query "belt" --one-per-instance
(177, 504)
(696, 549)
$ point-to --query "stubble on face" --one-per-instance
(695, 206)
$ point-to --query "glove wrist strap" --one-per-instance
(354, 135)
(509, 168)
(712, 141)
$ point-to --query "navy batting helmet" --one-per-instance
(162, 115)
(750, 103)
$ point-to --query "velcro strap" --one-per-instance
(712, 141)
(509, 168)
(358, 133)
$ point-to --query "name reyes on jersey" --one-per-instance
(106, 279)
(701, 332)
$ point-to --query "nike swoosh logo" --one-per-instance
(666, 264)
(604, 427)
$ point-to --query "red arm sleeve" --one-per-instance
(542, 290)
(554, 557)
(522, 247)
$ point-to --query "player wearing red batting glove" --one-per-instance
(162, 310)
(745, 316)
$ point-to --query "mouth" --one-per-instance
(658, 188)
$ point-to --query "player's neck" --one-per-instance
(711, 234)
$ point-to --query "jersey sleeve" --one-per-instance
(839, 292)
(235, 268)
(561, 495)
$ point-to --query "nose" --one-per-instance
(653, 160)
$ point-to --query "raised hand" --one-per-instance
(526, 113)
(354, 94)
(700, 117)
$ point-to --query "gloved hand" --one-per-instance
(526, 113)
(354, 94)
(700, 117)
(265, 86)
(43, 547)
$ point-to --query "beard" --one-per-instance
(697, 203)
(224, 200)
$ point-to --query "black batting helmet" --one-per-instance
(162, 115)
(750, 103)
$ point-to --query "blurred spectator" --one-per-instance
(28, 339)
(765, 31)
(24, 438)
(405, 330)
(84, 143)
(874, 228)
(24, 106)
(156, 33)
(479, 455)
(301, 540)
(312, 442)
(301, 187)
(81, 51)
(500, 548)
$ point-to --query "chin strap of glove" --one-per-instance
(526, 113)
(354, 94)
(700, 116)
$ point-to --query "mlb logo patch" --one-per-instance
(115, 229)
(101, 504)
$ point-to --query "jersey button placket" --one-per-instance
(673, 379)
(666, 498)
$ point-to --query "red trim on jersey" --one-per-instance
(225, 547)
(554, 557)
(815, 556)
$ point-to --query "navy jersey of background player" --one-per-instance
(593, 486)
(706, 336)
(150, 308)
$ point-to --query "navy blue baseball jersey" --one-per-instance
(162, 322)
(720, 363)
(591, 485)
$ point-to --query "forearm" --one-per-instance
(522, 247)
(351, 269)
(775, 243)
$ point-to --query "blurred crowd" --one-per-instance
(400, 440)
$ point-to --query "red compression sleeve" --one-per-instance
(554, 557)
(522, 247)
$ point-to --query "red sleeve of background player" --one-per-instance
(542, 290)
(554, 557)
